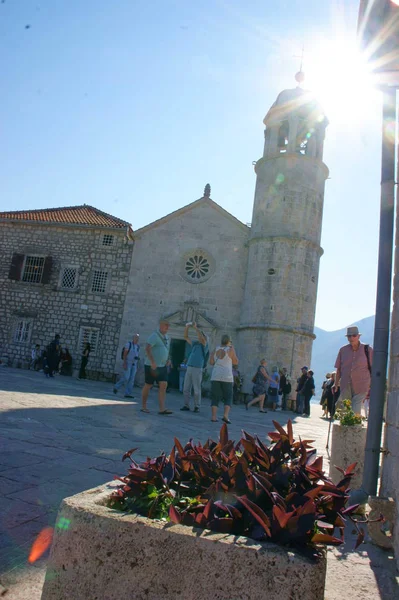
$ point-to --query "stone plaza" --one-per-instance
(61, 436)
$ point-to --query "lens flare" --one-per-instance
(41, 544)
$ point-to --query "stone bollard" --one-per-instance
(348, 443)
(382, 534)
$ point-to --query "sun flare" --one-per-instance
(339, 77)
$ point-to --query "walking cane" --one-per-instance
(329, 431)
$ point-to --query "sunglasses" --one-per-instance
(352, 335)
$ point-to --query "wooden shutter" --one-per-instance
(48, 265)
(17, 263)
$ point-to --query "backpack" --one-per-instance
(123, 349)
(366, 351)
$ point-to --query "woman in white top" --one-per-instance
(223, 358)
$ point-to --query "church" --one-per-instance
(257, 283)
(88, 276)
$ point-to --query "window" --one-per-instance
(33, 269)
(197, 266)
(108, 239)
(99, 282)
(91, 335)
(283, 134)
(22, 331)
(69, 278)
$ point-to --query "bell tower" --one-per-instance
(278, 310)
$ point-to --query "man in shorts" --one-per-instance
(155, 366)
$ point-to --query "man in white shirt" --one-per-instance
(130, 357)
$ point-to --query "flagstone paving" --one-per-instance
(61, 436)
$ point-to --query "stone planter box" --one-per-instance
(348, 444)
(100, 554)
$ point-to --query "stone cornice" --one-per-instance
(296, 156)
(285, 238)
(274, 327)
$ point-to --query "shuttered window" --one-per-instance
(30, 268)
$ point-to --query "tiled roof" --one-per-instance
(73, 215)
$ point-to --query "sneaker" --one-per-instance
(185, 407)
(196, 409)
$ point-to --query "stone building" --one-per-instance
(63, 270)
(257, 283)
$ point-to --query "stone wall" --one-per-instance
(48, 308)
(159, 284)
(390, 469)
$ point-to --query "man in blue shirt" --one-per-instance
(155, 366)
(196, 362)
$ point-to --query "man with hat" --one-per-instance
(353, 367)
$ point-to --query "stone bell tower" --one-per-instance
(278, 310)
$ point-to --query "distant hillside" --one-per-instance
(327, 344)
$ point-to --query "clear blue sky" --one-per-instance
(134, 106)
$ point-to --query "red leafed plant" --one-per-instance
(275, 492)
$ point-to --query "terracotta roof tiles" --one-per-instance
(72, 215)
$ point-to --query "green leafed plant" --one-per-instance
(275, 492)
(346, 416)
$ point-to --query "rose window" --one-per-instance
(197, 267)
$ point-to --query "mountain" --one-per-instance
(327, 344)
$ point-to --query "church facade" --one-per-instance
(100, 281)
(257, 283)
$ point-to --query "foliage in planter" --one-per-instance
(275, 493)
(346, 416)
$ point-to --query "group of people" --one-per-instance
(56, 359)
(273, 389)
(225, 377)
(350, 380)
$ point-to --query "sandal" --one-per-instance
(145, 410)
(165, 412)
(226, 420)
(264, 411)
(214, 420)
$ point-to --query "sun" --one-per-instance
(339, 77)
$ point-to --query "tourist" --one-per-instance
(323, 399)
(196, 363)
(300, 400)
(65, 364)
(53, 354)
(331, 395)
(353, 376)
(260, 380)
(84, 361)
(155, 366)
(274, 385)
(308, 392)
(285, 388)
(182, 374)
(130, 357)
(237, 384)
(35, 358)
(223, 358)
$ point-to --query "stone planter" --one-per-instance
(101, 554)
(348, 444)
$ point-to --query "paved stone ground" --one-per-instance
(60, 436)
